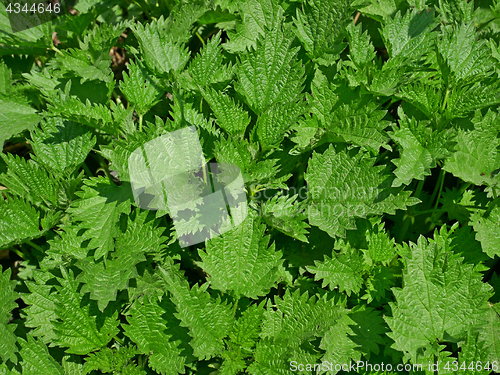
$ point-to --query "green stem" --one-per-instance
(19, 253)
(436, 187)
(140, 123)
(87, 170)
(464, 187)
(119, 340)
(440, 191)
(55, 49)
(420, 186)
(445, 100)
(236, 306)
(35, 246)
(200, 38)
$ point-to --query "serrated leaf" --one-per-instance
(345, 185)
(343, 271)
(271, 73)
(15, 118)
(488, 231)
(140, 88)
(438, 288)
(241, 261)
(148, 326)
(161, 52)
(208, 319)
(61, 145)
(19, 221)
(8, 297)
(37, 360)
(77, 329)
(321, 28)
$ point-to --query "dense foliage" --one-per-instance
(367, 133)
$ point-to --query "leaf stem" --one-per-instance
(35, 246)
(445, 100)
(440, 189)
(140, 123)
(200, 38)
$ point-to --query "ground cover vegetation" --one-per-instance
(367, 133)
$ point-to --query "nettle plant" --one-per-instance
(367, 135)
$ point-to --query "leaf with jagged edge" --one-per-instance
(487, 230)
(104, 279)
(40, 313)
(346, 115)
(94, 115)
(276, 121)
(229, 115)
(140, 88)
(27, 179)
(258, 16)
(161, 52)
(472, 350)
(16, 117)
(368, 329)
(79, 63)
(297, 317)
(321, 28)
(287, 215)
(110, 360)
(19, 221)
(241, 153)
(208, 319)
(342, 270)
(409, 36)
(426, 96)
(37, 359)
(337, 343)
(462, 55)
(438, 288)
(8, 297)
(346, 185)
(361, 50)
(207, 67)
(241, 261)
(271, 72)
(415, 161)
(77, 328)
(98, 210)
(61, 145)
(466, 99)
(477, 157)
(151, 326)
(490, 332)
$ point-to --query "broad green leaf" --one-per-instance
(8, 297)
(241, 261)
(271, 72)
(19, 221)
(37, 359)
(487, 230)
(439, 289)
(15, 117)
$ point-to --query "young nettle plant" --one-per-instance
(351, 149)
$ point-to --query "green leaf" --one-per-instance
(140, 88)
(207, 67)
(61, 145)
(287, 215)
(99, 209)
(229, 114)
(15, 117)
(343, 271)
(152, 326)
(441, 290)
(19, 221)
(209, 320)
(487, 230)
(160, 50)
(78, 328)
(8, 297)
(408, 36)
(271, 73)
(321, 28)
(241, 261)
(346, 185)
(37, 359)
(476, 158)
(111, 360)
